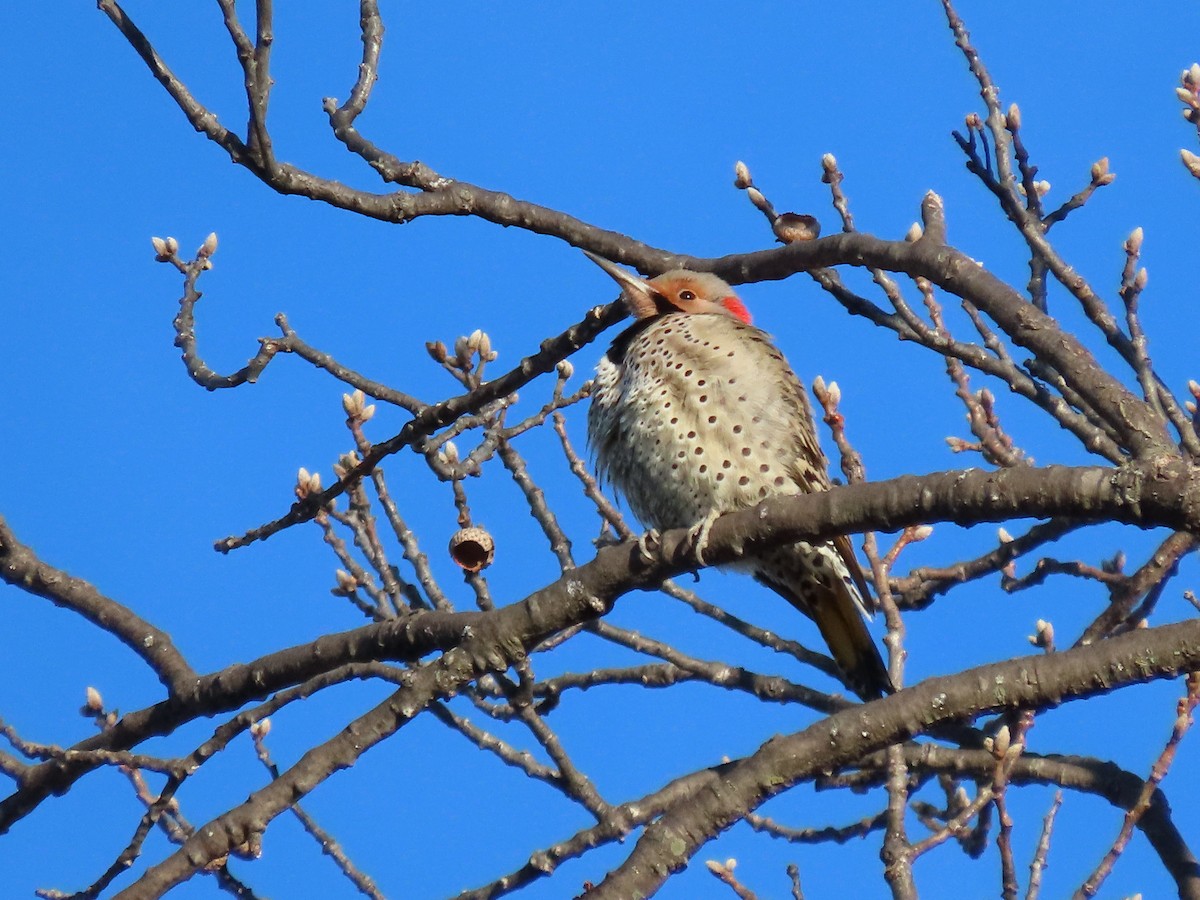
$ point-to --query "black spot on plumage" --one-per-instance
(620, 346)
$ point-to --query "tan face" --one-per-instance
(680, 289)
(698, 293)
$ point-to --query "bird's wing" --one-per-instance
(810, 471)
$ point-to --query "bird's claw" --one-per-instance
(697, 536)
(648, 544)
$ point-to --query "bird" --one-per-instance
(694, 413)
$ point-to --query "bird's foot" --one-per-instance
(697, 536)
(648, 544)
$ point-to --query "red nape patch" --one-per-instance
(737, 307)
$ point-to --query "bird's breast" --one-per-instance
(694, 413)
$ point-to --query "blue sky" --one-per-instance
(119, 469)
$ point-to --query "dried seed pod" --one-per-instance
(793, 227)
(472, 548)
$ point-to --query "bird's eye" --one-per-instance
(686, 296)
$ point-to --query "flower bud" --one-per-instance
(741, 176)
(307, 483)
(1001, 742)
(209, 247)
(1133, 243)
(1192, 161)
(352, 403)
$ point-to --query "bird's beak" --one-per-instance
(641, 298)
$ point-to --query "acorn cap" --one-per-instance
(472, 548)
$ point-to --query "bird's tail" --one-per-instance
(812, 579)
(851, 645)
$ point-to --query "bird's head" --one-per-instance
(680, 290)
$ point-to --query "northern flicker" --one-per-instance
(696, 413)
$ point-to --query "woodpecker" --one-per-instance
(695, 413)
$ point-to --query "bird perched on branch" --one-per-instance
(695, 413)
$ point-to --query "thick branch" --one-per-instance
(1164, 495)
(1132, 418)
(1142, 432)
(1026, 683)
(20, 567)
